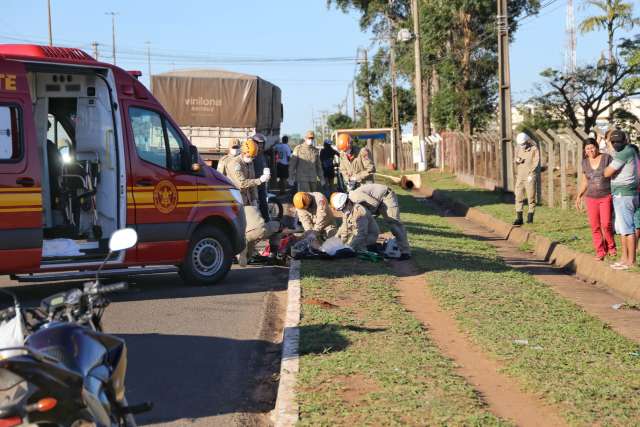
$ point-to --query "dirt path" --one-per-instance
(595, 300)
(502, 394)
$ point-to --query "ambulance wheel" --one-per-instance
(208, 258)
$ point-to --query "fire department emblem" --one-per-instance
(165, 197)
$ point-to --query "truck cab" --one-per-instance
(85, 149)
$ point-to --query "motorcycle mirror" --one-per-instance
(123, 239)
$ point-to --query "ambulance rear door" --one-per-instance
(20, 174)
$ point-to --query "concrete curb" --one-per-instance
(286, 412)
(583, 265)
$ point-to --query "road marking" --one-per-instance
(286, 411)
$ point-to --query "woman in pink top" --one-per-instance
(596, 190)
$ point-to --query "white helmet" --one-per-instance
(338, 200)
(391, 249)
(522, 138)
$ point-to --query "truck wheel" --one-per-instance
(208, 258)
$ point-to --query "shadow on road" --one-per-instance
(191, 377)
(169, 286)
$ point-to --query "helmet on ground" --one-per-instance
(259, 138)
(344, 142)
(338, 200)
(249, 148)
(302, 200)
(522, 138)
(391, 249)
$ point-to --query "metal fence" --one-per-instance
(478, 162)
(382, 156)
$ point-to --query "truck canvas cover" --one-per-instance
(210, 98)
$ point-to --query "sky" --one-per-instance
(233, 35)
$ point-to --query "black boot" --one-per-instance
(518, 222)
(530, 218)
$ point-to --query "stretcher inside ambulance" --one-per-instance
(86, 150)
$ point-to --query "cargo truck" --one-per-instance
(215, 107)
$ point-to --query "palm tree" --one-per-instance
(616, 15)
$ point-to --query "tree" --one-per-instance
(339, 121)
(459, 42)
(579, 98)
(616, 15)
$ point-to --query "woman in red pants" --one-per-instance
(596, 190)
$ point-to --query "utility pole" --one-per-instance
(394, 107)
(368, 93)
(149, 64)
(353, 98)
(113, 33)
(424, 160)
(504, 87)
(94, 45)
(50, 30)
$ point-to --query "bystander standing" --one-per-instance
(623, 171)
(595, 189)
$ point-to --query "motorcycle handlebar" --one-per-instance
(105, 289)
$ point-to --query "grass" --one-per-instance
(572, 359)
(568, 227)
(369, 362)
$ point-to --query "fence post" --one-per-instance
(579, 156)
(550, 166)
(563, 169)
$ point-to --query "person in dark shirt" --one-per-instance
(327, 156)
(259, 165)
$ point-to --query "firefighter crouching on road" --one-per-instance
(234, 150)
(356, 164)
(380, 199)
(359, 228)
(243, 177)
(315, 215)
(304, 166)
(527, 159)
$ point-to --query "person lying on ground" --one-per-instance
(359, 229)
(381, 200)
(595, 188)
(315, 214)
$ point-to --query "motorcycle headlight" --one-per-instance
(236, 195)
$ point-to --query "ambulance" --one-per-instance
(85, 150)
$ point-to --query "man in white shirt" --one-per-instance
(283, 154)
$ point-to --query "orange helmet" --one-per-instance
(249, 148)
(344, 142)
(302, 200)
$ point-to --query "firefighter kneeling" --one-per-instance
(242, 175)
(359, 229)
(380, 199)
(315, 214)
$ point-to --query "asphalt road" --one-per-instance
(203, 356)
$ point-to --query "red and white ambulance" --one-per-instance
(85, 149)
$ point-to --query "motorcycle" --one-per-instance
(66, 372)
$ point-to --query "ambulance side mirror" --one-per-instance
(194, 158)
